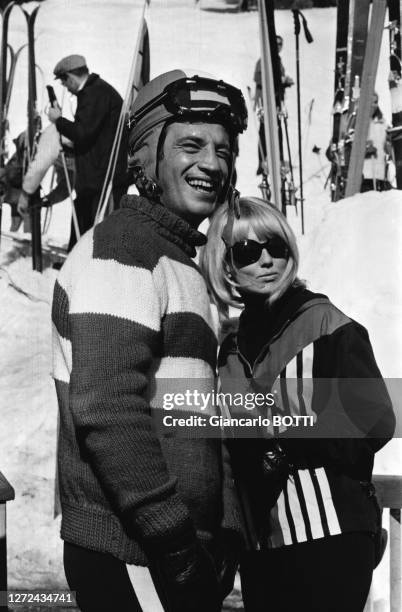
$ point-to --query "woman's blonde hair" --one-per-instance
(266, 221)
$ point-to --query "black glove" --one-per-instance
(188, 581)
(45, 202)
(276, 469)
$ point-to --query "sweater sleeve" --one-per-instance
(115, 319)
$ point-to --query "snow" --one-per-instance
(350, 250)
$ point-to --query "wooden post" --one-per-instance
(6, 494)
(395, 560)
(389, 492)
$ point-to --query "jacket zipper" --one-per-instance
(263, 350)
(303, 308)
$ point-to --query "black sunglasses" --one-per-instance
(247, 252)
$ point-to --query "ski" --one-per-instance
(340, 61)
(299, 18)
(280, 109)
(268, 72)
(34, 127)
(357, 38)
(356, 46)
(5, 10)
(395, 84)
(342, 22)
(365, 100)
(14, 57)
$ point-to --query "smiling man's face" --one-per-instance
(194, 169)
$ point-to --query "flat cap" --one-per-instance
(71, 62)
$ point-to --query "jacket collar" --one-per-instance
(266, 324)
(283, 311)
(165, 223)
(90, 79)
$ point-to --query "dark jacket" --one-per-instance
(318, 362)
(93, 132)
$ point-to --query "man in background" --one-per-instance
(286, 81)
(92, 133)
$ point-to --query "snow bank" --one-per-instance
(354, 255)
(29, 418)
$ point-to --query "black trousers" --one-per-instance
(86, 205)
(379, 185)
(100, 581)
(327, 575)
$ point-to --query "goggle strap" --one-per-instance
(233, 212)
(133, 119)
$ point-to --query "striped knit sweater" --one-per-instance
(130, 309)
(317, 362)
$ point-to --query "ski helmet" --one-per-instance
(171, 97)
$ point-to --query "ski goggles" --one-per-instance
(246, 252)
(200, 96)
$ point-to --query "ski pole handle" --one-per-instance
(296, 20)
(52, 95)
(296, 17)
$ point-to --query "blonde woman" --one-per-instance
(311, 508)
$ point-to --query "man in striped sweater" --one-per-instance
(131, 310)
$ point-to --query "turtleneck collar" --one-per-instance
(166, 223)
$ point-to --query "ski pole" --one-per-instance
(284, 117)
(373, 165)
(309, 121)
(321, 170)
(70, 191)
(53, 100)
(296, 17)
(291, 186)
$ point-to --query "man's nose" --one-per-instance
(209, 160)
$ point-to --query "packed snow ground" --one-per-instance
(350, 250)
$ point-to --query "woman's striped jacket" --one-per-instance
(318, 362)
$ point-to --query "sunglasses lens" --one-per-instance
(277, 248)
(248, 251)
